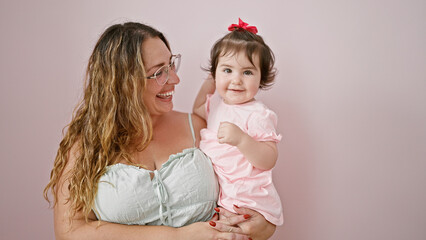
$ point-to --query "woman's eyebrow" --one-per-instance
(159, 65)
(155, 67)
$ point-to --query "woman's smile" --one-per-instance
(166, 95)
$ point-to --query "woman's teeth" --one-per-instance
(165, 95)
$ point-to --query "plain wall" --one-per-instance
(350, 96)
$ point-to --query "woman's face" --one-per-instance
(157, 98)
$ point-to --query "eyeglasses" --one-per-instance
(162, 74)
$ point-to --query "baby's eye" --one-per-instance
(248, 72)
(227, 70)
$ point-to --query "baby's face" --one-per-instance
(237, 79)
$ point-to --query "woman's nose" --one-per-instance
(173, 78)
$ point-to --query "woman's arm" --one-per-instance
(208, 87)
(80, 229)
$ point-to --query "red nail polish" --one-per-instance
(250, 239)
(213, 224)
(214, 215)
(246, 216)
(217, 209)
(236, 206)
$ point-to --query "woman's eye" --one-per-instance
(157, 74)
(248, 73)
(227, 70)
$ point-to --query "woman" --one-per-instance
(130, 161)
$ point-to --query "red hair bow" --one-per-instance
(242, 25)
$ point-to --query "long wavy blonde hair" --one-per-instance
(111, 121)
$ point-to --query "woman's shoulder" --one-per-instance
(198, 123)
(184, 116)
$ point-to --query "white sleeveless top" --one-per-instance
(183, 191)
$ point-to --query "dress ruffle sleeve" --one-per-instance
(261, 126)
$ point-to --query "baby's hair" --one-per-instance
(253, 44)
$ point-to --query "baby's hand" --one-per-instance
(229, 133)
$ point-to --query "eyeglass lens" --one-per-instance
(162, 74)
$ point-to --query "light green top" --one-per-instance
(183, 191)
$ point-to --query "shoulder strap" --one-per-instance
(192, 128)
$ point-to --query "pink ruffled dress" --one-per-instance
(241, 183)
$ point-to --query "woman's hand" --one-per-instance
(246, 221)
(205, 230)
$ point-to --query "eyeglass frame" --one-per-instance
(167, 68)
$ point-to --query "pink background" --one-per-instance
(350, 96)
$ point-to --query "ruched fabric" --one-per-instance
(183, 191)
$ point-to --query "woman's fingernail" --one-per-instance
(213, 224)
(250, 239)
(217, 209)
(235, 206)
(246, 216)
(214, 215)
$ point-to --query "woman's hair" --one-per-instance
(112, 120)
(253, 44)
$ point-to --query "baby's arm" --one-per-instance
(208, 87)
(262, 155)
